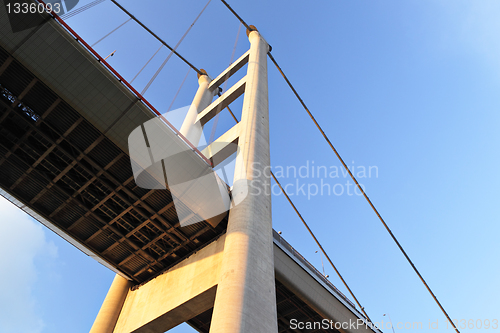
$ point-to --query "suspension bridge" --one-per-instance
(66, 116)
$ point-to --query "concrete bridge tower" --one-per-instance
(235, 274)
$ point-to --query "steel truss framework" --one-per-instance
(54, 161)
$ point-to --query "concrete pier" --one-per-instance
(112, 306)
(202, 99)
(179, 294)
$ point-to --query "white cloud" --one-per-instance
(22, 244)
(474, 26)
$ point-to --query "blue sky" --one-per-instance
(409, 87)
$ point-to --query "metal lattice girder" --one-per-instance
(75, 180)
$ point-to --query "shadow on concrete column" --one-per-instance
(246, 300)
(112, 306)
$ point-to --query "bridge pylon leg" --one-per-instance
(111, 307)
(246, 300)
(192, 130)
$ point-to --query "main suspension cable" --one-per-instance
(173, 51)
(319, 245)
(237, 16)
(363, 192)
(158, 38)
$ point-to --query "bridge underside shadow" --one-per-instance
(290, 307)
(187, 291)
(71, 171)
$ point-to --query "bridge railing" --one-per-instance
(103, 61)
(299, 257)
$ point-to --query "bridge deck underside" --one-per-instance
(289, 307)
(72, 176)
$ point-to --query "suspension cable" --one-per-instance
(173, 51)
(156, 36)
(147, 63)
(81, 9)
(179, 90)
(363, 192)
(237, 16)
(319, 245)
(156, 74)
(313, 236)
(108, 34)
